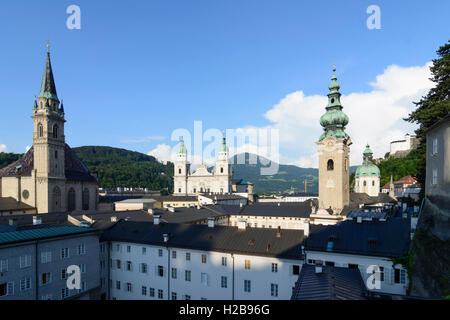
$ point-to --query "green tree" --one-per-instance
(433, 107)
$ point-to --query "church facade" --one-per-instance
(202, 180)
(367, 176)
(50, 177)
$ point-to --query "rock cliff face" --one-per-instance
(431, 249)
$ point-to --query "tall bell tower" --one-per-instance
(181, 168)
(49, 145)
(334, 149)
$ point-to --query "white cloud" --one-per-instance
(3, 148)
(376, 117)
(162, 152)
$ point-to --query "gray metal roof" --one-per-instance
(252, 241)
(41, 233)
(389, 238)
(333, 283)
(282, 209)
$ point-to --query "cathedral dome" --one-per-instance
(369, 170)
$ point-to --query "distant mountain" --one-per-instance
(288, 177)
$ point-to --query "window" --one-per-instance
(160, 294)
(224, 261)
(82, 268)
(143, 268)
(118, 285)
(129, 287)
(128, 249)
(223, 282)
(204, 279)
(46, 257)
(247, 264)
(400, 276)
(160, 271)
(41, 130)
(274, 267)
(174, 254)
(64, 253)
(152, 292)
(296, 269)
(144, 290)
(63, 274)
(329, 263)
(46, 278)
(435, 146)
(144, 250)
(174, 273)
(119, 264)
(64, 293)
(174, 296)
(47, 297)
(71, 203)
(221, 170)
(274, 290)
(364, 183)
(435, 177)
(160, 252)
(203, 258)
(85, 199)
(81, 249)
(330, 165)
(187, 275)
(25, 261)
(373, 183)
(129, 266)
(381, 273)
(247, 286)
(55, 131)
(118, 247)
(188, 256)
(3, 265)
(25, 284)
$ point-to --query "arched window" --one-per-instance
(41, 130)
(179, 171)
(71, 200)
(221, 170)
(56, 199)
(85, 199)
(330, 165)
(56, 154)
(365, 183)
(55, 131)
(373, 183)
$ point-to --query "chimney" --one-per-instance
(359, 219)
(211, 222)
(166, 237)
(319, 264)
(279, 232)
(156, 219)
(36, 220)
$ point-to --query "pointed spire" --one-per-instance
(62, 107)
(48, 88)
(182, 147)
(223, 148)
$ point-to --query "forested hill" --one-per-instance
(123, 168)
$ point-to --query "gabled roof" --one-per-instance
(282, 209)
(252, 241)
(74, 168)
(333, 283)
(392, 237)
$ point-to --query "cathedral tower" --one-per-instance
(334, 148)
(49, 145)
(181, 171)
(223, 168)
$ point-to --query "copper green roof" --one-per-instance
(368, 168)
(334, 120)
(223, 147)
(39, 233)
(182, 147)
(48, 88)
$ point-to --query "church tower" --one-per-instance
(49, 145)
(334, 148)
(367, 176)
(181, 171)
(223, 168)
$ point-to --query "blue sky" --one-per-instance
(141, 69)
